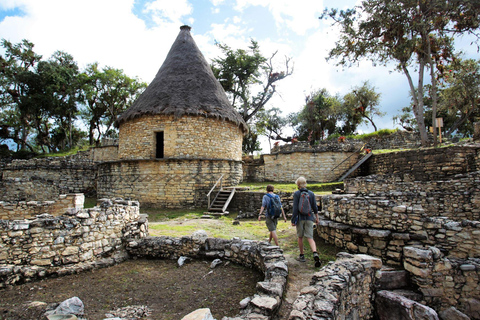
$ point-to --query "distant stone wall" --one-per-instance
(19, 210)
(78, 240)
(253, 169)
(253, 254)
(396, 140)
(46, 178)
(107, 153)
(426, 164)
(190, 137)
(315, 167)
(344, 289)
(249, 202)
(457, 198)
(168, 183)
(33, 189)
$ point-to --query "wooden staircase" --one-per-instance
(355, 167)
(221, 201)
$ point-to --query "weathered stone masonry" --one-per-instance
(19, 210)
(253, 254)
(169, 183)
(78, 240)
(46, 178)
(185, 137)
(430, 228)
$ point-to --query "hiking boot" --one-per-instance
(301, 258)
(317, 260)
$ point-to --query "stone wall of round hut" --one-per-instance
(191, 137)
(165, 183)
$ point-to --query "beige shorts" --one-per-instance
(271, 223)
(305, 229)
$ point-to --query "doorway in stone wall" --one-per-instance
(159, 145)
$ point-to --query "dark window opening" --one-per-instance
(160, 145)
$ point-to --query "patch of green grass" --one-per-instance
(64, 153)
(156, 214)
(292, 187)
(90, 202)
(365, 136)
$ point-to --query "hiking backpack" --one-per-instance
(304, 207)
(275, 206)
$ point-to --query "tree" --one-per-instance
(241, 71)
(17, 64)
(408, 32)
(54, 94)
(460, 95)
(318, 118)
(106, 94)
(271, 124)
(361, 105)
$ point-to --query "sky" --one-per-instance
(136, 35)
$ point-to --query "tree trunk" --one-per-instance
(418, 103)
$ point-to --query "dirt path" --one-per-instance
(299, 276)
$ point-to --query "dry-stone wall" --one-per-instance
(190, 137)
(78, 240)
(426, 164)
(46, 178)
(343, 289)
(424, 220)
(443, 281)
(315, 167)
(169, 183)
(253, 254)
(18, 210)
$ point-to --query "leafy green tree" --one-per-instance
(407, 32)
(54, 93)
(241, 72)
(361, 104)
(106, 94)
(271, 124)
(318, 118)
(16, 65)
(460, 96)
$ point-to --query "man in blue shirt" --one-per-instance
(303, 219)
(270, 221)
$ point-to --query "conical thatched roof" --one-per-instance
(184, 85)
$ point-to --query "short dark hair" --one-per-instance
(270, 188)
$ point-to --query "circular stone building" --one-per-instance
(178, 138)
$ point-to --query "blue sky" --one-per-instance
(136, 35)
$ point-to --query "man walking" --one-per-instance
(305, 212)
(271, 218)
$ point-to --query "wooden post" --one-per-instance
(439, 123)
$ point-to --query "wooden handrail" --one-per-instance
(211, 190)
(359, 150)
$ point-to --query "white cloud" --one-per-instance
(105, 31)
(298, 16)
(168, 11)
(217, 2)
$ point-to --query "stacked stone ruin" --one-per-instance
(423, 218)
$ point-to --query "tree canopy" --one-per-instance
(41, 100)
(408, 33)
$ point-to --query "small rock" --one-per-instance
(182, 260)
(215, 263)
(72, 306)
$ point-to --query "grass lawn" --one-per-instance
(178, 223)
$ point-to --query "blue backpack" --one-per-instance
(304, 206)
(275, 206)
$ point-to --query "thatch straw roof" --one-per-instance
(184, 85)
